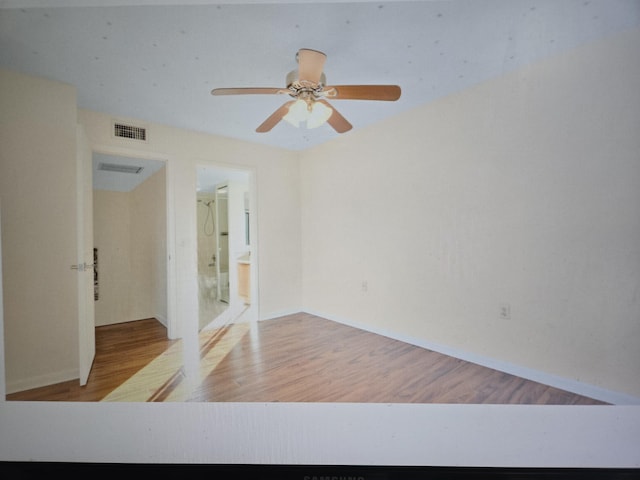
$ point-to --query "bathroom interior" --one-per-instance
(224, 246)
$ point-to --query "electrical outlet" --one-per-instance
(365, 286)
(505, 311)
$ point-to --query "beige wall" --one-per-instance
(149, 208)
(130, 234)
(39, 242)
(522, 190)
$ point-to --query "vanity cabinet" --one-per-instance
(244, 282)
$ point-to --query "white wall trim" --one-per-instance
(41, 380)
(567, 384)
(162, 319)
(282, 313)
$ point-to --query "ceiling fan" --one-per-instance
(307, 87)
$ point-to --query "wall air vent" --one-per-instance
(113, 167)
(129, 131)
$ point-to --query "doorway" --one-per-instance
(130, 239)
(225, 246)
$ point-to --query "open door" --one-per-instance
(86, 267)
(222, 230)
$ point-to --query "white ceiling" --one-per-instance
(122, 181)
(158, 61)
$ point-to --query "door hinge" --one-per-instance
(81, 267)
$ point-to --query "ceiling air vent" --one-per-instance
(129, 131)
(114, 167)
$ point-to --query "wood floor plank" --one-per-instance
(295, 358)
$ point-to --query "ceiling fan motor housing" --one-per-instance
(294, 84)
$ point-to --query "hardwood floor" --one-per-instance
(296, 358)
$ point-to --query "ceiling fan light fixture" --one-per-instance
(297, 113)
(318, 115)
(314, 114)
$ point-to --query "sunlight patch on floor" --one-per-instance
(166, 380)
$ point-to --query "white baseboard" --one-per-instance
(42, 381)
(161, 319)
(567, 384)
(282, 313)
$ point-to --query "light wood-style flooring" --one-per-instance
(295, 358)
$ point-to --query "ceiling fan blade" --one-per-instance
(310, 65)
(363, 92)
(247, 91)
(336, 120)
(274, 118)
